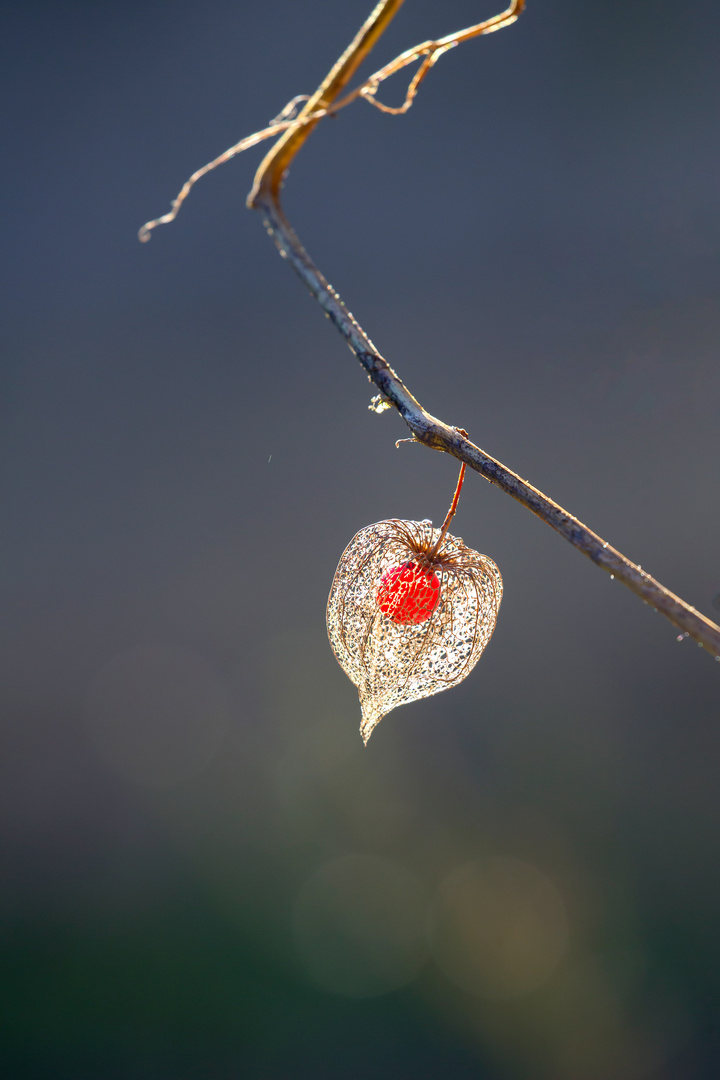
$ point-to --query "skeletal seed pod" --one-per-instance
(410, 611)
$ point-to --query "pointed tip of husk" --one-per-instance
(368, 725)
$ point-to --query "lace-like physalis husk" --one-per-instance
(390, 662)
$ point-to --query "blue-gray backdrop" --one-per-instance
(204, 873)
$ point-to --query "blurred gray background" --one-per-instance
(204, 872)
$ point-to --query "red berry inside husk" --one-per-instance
(408, 593)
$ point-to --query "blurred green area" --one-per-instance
(301, 906)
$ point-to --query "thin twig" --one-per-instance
(431, 51)
(275, 128)
(425, 427)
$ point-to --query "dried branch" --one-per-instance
(427, 429)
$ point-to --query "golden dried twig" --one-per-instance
(321, 104)
(274, 128)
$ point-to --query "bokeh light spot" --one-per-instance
(499, 928)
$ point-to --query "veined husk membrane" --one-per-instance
(393, 663)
